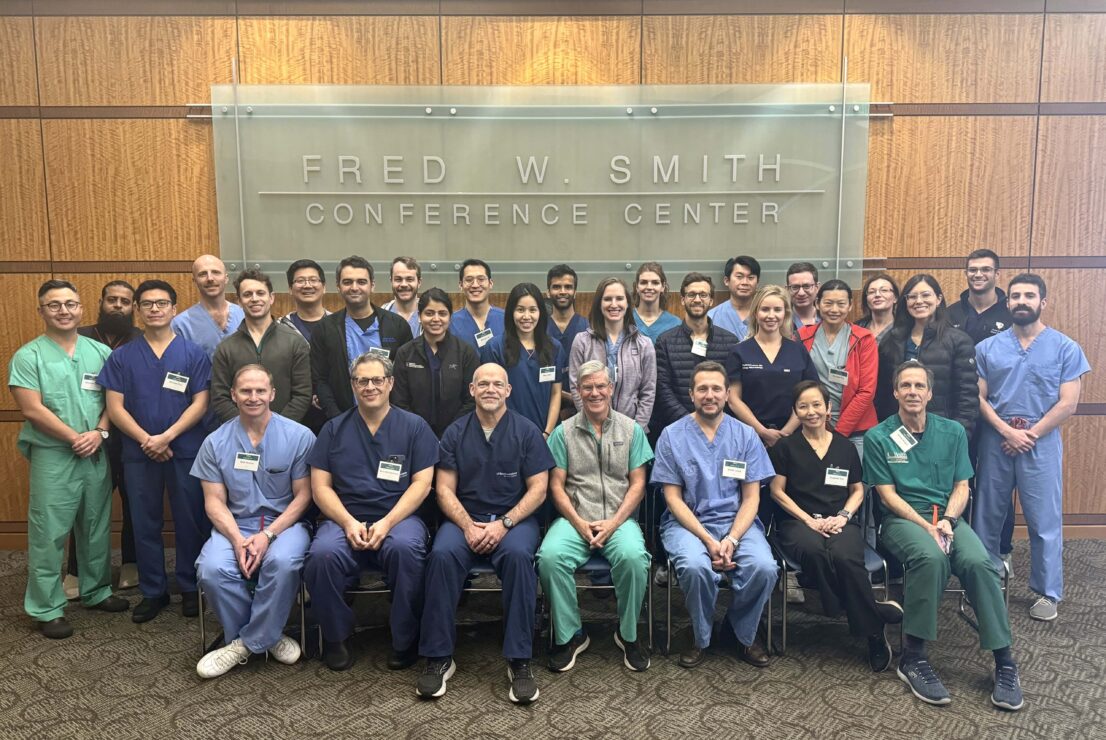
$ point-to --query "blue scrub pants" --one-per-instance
(332, 567)
(146, 483)
(446, 570)
(258, 618)
(1038, 476)
(752, 580)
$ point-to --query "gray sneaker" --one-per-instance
(923, 682)
(1008, 688)
(1043, 609)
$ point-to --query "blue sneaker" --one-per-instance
(923, 681)
(1008, 688)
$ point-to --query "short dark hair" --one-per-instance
(438, 296)
(1030, 279)
(980, 254)
(115, 284)
(147, 285)
(834, 284)
(410, 263)
(358, 263)
(695, 277)
(252, 274)
(797, 267)
(557, 271)
(805, 385)
(473, 262)
(749, 263)
(56, 284)
(708, 366)
(305, 264)
(911, 365)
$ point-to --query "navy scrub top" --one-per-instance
(766, 386)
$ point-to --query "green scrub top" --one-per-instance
(925, 475)
(41, 365)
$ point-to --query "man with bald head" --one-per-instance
(214, 318)
(493, 470)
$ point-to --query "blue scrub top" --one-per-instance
(529, 396)
(352, 455)
(360, 341)
(725, 315)
(197, 326)
(663, 323)
(463, 326)
(413, 322)
(576, 325)
(136, 372)
(685, 458)
(491, 474)
(1026, 382)
(766, 386)
(268, 490)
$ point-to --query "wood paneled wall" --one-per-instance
(998, 137)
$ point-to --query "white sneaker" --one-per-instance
(128, 576)
(286, 650)
(795, 593)
(1043, 609)
(72, 587)
(218, 662)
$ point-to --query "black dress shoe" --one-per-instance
(147, 609)
(337, 655)
(754, 655)
(399, 660)
(56, 629)
(190, 604)
(692, 657)
(113, 604)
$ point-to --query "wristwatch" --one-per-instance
(508, 522)
(732, 540)
(845, 513)
(269, 534)
(103, 432)
(952, 520)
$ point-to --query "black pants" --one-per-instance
(835, 565)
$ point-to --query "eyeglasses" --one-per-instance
(979, 270)
(301, 282)
(161, 305)
(923, 296)
(593, 388)
(805, 287)
(475, 280)
(880, 291)
(56, 306)
(376, 381)
(697, 296)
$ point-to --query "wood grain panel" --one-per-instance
(1074, 64)
(1075, 308)
(130, 190)
(1084, 464)
(943, 186)
(945, 58)
(89, 284)
(23, 231)
(1069, 215)
(15, 472)
(354, 50)
(482, 50)
(17, 62)
(952, 281)
(19, 322)
(145, 60)
(741, 49)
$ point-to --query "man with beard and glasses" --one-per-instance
(1029, 384)
(406, 277)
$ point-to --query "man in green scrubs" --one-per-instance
(919, 464)
(53, 380)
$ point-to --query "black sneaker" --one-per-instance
(634, 656)
(147, 609)
(564, 656)
(889, 611)
(524, 689)
(879, 652)
(190, 604)
(1008, 688)
(113, 604)
(431, 684)
(923, 681)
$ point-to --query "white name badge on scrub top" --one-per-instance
(839, 376)
(176, 382)
(547, 374)
(378, 352)
(247, 461)
(483, 337)
(88, 382)
(733, 469)
(389, 471)
(837, 477)
(698, 347)
(903, 438)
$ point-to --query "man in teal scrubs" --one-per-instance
(53, 380)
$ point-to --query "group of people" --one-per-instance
(307, 447)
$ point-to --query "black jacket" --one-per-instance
(952, 360)
(330, 360)
(979, 326)
(675, 362)
(413, 390)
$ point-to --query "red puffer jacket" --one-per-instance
(858, 411)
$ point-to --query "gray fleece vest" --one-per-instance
(598, 470)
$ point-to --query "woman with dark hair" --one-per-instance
(847, 359)
(613, 339)
(877, 301)
(922, 333)
(433, 371)
(534, 361)
(650, 301)
(819, 491)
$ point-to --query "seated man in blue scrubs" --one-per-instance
(492, 476)
(256, 488)
(711, 466)
(371, 468)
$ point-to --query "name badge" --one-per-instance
(177, 382)
(733, 469)
(698, 347)
(379, 352)
(88, 382)
(483, 337)
(389, 471)
(547, 374)
(837, 477)
(247, 461)
(839, 376)
(904, 439)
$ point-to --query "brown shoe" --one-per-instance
(754, 655)
(692, 657)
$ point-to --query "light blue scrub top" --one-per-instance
(463, 326)
(663, 323)
(1026, 382)
(358, 340)
(725, 315)
(197, 326)
(413, 322)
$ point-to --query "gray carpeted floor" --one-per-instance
(120, 680)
